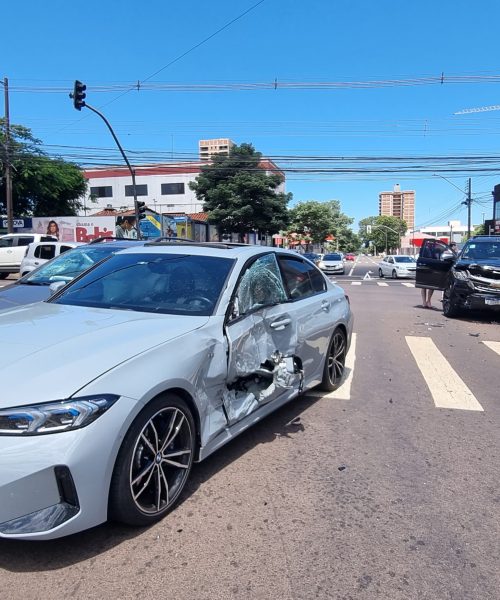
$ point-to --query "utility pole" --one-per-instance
(7, 168)
(469, 204)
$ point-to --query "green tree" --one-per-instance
(385, 232)
(319, 220)
(239, 195)
(41, 186)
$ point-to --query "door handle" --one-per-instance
(325, 305)
(281, 324)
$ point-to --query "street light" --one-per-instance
(386, 235)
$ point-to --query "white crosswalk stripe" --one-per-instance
(382, 284)
(495, 346)
(356, 283)
(446, 387)
(406, 284)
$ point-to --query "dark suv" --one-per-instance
(469, 280)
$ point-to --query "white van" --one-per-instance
(13, 248)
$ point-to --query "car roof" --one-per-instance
(222, 250)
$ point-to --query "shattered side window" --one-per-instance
(261, 285)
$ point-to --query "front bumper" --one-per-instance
(57, 484)
(332, 269)
(480, 301)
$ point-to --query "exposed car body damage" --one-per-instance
(119, 388)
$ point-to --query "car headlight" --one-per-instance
(53, 417)
(460, 275)
(321, 264)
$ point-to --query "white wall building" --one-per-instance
(163, 187)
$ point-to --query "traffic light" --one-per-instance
(78, 95)
(141, 210)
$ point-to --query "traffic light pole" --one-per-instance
(132, 171)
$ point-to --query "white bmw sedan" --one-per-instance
(152, 359)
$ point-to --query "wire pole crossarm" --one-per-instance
(132, 171)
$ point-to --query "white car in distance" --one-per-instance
(332, 263)
(397, 265)
(38, 253)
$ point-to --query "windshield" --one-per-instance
(482, 250)
(68, 265)
(332, 257)
(404, 259)
(152, 282)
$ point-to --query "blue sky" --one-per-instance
(49, 44)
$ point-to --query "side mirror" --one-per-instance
(447, 256)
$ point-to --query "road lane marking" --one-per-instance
(408, 284)
(356, 283)
(495, 346)
(344, 391)
(382, 284)
(446, 387)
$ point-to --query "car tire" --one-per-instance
(145, 484)
(380, 274)
(394, 274)
(451, 305)
(333, 370)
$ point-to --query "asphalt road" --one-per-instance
(375, 492)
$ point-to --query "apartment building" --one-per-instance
(399, 204)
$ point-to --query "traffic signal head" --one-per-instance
(141, 210)
(78, 95)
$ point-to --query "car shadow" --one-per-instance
(21, 556)
(470, 316)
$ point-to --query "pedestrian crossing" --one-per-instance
(446, 387)
(374, 282)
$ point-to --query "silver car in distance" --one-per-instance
(150, 360)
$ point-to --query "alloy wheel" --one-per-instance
(161, 460)
(336, 358)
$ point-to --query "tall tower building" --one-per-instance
(208, 148)
(399, 204)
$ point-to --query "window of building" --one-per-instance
(168, 189)
(103, 191)
(141, 190)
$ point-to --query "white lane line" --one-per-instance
(495, 346)
(356, 283)
(344, 391)
(382, 284)
(446, 387)
(408, 284)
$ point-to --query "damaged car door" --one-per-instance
(262, 340)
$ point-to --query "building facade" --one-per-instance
(207, 148)
(163, 187)
(399, 204)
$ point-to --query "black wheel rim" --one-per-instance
(161, 460)
(336, 358)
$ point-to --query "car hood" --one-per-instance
(50, 351)
(489, 268)
(19, 294)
